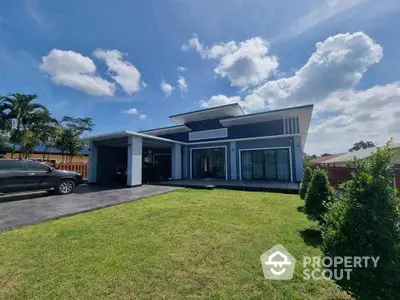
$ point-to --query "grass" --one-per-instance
(192, 244)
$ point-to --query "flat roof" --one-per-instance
(229, 110)
(125, 133)
(167, 130)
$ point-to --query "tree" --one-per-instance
(69, 138)
(4, 144)
(364, 222)
(28, 115)
(79, 125)
(307, 160)
(306, 182)
(325, 154)
(362, 145)
(319, 195)
(22, 108)
(29, 140)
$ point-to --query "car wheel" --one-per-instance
(65, 186)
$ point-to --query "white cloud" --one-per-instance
(182, 69)
(123, 72)
(33, 10)
(166, 88)
(245, 64)
(372, 114)
(193, 43)
(131, 111)
(182, 84)
(135, 112)
(343, 114)
(327, 9)
(72, 69)
(219, 100)
(337, 64)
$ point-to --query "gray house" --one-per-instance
(216, 143)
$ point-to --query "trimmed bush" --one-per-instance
(364, 222)
(307, 176)
(319, 195)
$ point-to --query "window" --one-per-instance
(268, 164)
(35, 166)
(11, 165)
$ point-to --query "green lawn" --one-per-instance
(192, 244)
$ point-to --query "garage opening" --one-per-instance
(156, 165)
(112, 162)
(111, 166)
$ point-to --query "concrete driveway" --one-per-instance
(27, 209)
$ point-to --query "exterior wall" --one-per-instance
(270, 128)
(56, 157)
(298, 159)
(233, 149)
(267, 143)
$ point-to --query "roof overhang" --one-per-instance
(121, 134)
(230, 110)
(167, 130)
(303, 112)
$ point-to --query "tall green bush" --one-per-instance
(307, 176)
(319, 195)
(364, 222)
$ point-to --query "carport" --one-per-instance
(125, 151)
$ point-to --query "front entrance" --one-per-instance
(209, 163)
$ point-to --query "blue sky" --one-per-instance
(118, 61)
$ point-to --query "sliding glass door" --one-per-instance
(208, 163)
(268, 164)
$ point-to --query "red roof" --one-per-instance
(320, 160)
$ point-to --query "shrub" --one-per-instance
(364, 222)
(319, 195)
(306, 182)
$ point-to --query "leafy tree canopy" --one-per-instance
(362, 145)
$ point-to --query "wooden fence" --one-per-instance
(81, 168)
(338, 175)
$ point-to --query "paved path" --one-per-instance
(27, 209)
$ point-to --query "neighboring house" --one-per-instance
(320, 161)
(52, 155)
(343, 159)
(339, 172)
(221, 142)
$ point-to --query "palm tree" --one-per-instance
(27, 113)
(21, 107)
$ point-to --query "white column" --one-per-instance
(134, 168)
(232, 153)
(176, 161)
(92, 164)
(185, 157)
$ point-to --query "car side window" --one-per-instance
(11, 165)
(34, 166)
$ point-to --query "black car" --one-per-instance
(18, 175)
